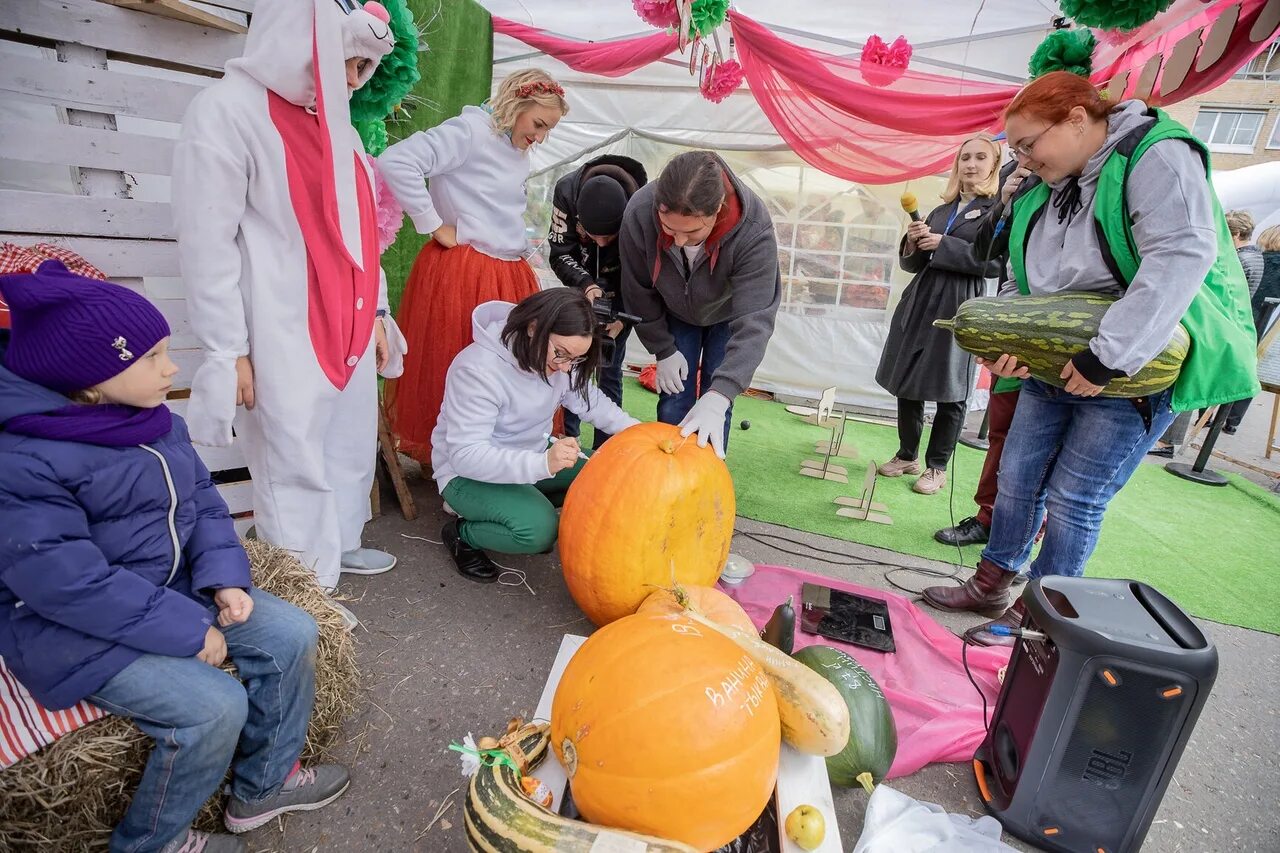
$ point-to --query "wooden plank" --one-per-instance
(189, 13)
(239, 496)
(237, 5)
(116, 258)
(55, 213)
(65, 144)
(122, 32)
(215, 458)
(175, 311)
(80, 87)
(188, 361)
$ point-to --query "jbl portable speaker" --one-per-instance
(1091, 721)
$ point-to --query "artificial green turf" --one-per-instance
(1212, 550)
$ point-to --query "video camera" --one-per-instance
(606, 313)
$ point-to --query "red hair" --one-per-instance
(1053, 96)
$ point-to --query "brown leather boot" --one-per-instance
(982, 636)
(986, 593)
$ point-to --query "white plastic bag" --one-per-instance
(896, 823)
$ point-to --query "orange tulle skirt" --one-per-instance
(443, 289)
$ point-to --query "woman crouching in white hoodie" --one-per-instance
(489, 450)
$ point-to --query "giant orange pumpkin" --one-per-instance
(650, 509)
(707, 600)
(667, 728)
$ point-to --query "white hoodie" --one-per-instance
(495, 415)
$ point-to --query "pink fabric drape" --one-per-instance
(824, 109)
(608, 59)
(826, 113)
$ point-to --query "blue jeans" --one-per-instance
(703, 347)
(610, 386)
(201, 718)
(1066, 456)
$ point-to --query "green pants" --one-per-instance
(510, 518)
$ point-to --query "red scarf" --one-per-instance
(342, 300)
(729, 215)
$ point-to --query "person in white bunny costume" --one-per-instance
(277, 234)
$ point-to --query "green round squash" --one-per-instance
(873, 735)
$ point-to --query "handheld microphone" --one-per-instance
(909, 204)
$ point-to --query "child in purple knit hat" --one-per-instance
(122, 580)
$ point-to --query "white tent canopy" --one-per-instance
(837, 240)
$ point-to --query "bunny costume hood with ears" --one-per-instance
(311, 73)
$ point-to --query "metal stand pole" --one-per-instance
(1200, 472)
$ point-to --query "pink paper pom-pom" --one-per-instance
(658, 13)
(881, 64)
(721, 81)
(390, 213)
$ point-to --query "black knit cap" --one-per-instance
(601, 201)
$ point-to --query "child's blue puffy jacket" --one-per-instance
(106, 553)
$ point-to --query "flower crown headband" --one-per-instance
(540, 87)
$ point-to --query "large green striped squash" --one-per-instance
(873, 735)
(1044, 332)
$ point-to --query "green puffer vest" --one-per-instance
(1222, 363)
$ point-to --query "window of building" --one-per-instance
(1274, 141)
(1265, 66)
(1229, 131)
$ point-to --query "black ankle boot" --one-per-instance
(472, 563)
(969, 531)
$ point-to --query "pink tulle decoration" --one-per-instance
(720, 81)
(884, 63)
(657, 13)
(1113, 38)
(390, 213)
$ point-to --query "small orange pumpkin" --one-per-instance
(667, 728)
(707, 600)
(649, 510)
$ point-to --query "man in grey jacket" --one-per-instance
(700, 267)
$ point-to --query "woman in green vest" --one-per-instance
(1119, 203)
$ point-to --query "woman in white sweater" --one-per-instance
(477, 164)
(490, 455)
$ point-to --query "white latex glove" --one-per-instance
(212, 407)
(397, 347)
(706, 418)
(672, 372)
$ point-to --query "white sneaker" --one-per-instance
(367, 561)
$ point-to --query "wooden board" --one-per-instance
(801, 778)
(83, 87)
(88, 216)
(861, 503)
(65, 144)
(123, 32)
(215, 458)
(118, 258)
(191, 13)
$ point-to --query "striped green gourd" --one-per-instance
(1044, 332)
(499, 818)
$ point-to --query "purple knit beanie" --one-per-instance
(69, 332)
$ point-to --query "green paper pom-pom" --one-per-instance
(373, 133)
(1064, 50)
(706, 15)
(397, 73)
(1113, 14)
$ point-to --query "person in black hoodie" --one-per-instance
(586, 215)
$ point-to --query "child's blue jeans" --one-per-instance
(201, 718)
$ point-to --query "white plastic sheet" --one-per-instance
(896, 823)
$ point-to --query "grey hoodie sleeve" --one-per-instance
(755, 284)
(1173, 226)
(638, 291)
